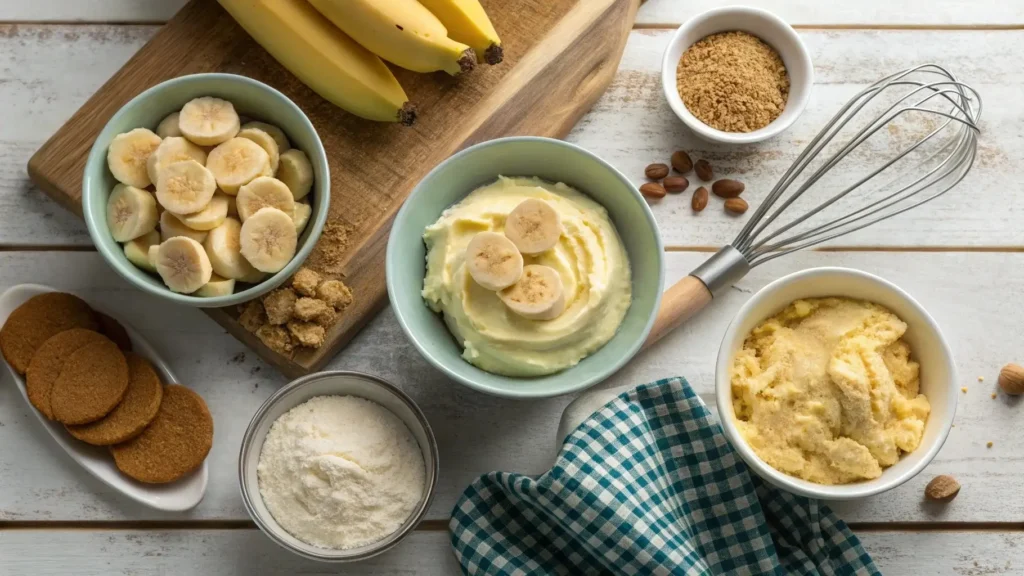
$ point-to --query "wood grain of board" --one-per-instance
(559, 57)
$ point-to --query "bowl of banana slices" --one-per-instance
(208, 190)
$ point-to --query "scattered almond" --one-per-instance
(942, 488)
(681, 162)
(675, 184)
(727, 188)
(704, 171)
(736, 205)
(656, 171)
(700, 199)
(1011, 379)
(653, 190)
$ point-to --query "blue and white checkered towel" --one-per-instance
(648, 485)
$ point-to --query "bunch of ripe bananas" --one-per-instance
(335, 46)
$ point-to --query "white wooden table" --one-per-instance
(961, 256)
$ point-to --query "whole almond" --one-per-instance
(1011, 379)
(727, 188)
(653, 189)
(681, 162)
(700, 199)
(736, 205)
(656, 171)
(704, 171)
(675, 184)
(942, 488)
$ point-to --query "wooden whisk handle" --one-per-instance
(681, 301)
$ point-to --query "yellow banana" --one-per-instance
(467, 22)
(324, 58)
(402, 32)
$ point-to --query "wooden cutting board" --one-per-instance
(560, 56)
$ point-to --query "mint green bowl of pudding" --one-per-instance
(252, 99)
(552, 162)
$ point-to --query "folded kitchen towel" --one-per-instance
(648, 485)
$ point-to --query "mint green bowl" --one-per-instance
(251, 98)
(551, 160)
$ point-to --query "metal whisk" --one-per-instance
(926, 99)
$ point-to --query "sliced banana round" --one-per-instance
(255, 277)
(224, 249)
(493, 261)
(265, 141)
(217, 286)
(168, 127)
(301, 216)
(263, 192)
(538, 295)
(153, 251)
(183, 264)
(211, 216)
(533, 226)
(137, 250)
(128, 154)
(296, 172)
(171, 226)
(131, 212)
(208, 121)
(173, 149)
(268, 239)
(276, 133)
(237, 162)
(185, 187)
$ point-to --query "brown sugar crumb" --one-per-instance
(989, 445)
(253, 316)
(276, 338)
(332, 249)
(335, 293)
(280, 305)
(963, 389)
(313, 310)
(994, 395)
(305, 282)
(733, 81)
(307, 334)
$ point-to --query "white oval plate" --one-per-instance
(175, 496)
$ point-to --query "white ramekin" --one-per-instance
(766, 26)
(927, 344)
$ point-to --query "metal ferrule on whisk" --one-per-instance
(722, 270)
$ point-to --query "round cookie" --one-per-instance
(47, 362)
(174, 444)
(133, 414)
(39, 318)
(91, 383)
(112, 329)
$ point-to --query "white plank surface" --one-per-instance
(47, 72)
(247, 552)
(476, 433)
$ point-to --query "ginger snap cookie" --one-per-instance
(112, 329)
(47, 362)
(39, 318)
(174, 444)
(92, 382)
(139, 407)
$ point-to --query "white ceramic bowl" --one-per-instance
(766, 26)
(927, 345)
(330, 384)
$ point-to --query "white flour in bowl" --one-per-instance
(340, 472)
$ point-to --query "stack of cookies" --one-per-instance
(80, 371)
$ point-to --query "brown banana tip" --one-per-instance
(407, 115)
(494, 54)
(468, 61)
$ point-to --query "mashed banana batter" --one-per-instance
(826, 391)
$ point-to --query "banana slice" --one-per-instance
(254, 278)
(276, 133)
(153, 251)
(171, 226)
(223, 247)
(131, 212)
(265, 141)
(301, 216)
(493, 261)
(217, 286)
(137, 250)
(173, 149)
(533, 226)
(208, 121)
(128, 154)
(268, 239)
(185, 187)
(296, 172)
(183, 265)
(538, 295)
(168, 127)
(237, 162)
(211, 216)
(261, 193)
